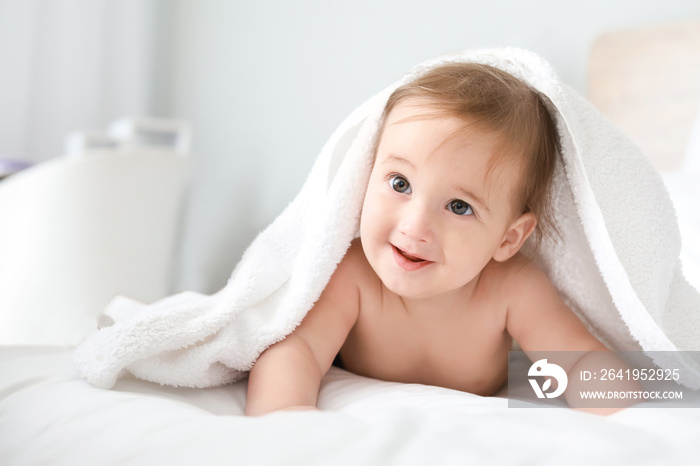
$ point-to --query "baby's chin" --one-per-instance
(417, 289)
(411, 291)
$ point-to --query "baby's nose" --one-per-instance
(416, 224)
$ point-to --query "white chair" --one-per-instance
(78, 230)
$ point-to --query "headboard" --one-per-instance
(647, 80)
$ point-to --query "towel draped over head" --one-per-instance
(617, 263)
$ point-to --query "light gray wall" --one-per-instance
(265, 83)
(68, 65)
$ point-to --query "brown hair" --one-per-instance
(501, 104)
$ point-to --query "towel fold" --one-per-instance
(617, 264)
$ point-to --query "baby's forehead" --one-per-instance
(463, 126)
(413, 108)
(455, 129)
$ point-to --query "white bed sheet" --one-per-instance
(48, 415)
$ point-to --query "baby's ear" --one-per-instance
(515, 236)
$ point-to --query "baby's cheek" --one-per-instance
(365, 221)
(370, 208)
(373, 224)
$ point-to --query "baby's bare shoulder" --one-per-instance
(355, 256)
(514, 276)
(328, 322)
(352, 274)
(354, 266)
(537, 316)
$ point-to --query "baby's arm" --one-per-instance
(287, 375)
(539, 320)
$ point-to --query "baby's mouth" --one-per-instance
(408, 261)
(408, 256)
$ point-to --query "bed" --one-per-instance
(49, 415)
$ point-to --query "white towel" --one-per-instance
(617, 267)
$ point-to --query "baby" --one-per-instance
(436, 289)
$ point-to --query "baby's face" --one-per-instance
(432, 218)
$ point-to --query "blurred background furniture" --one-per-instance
(100, 221)
(647, 80)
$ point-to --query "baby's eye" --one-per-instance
(460, 207)
(400, 184)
